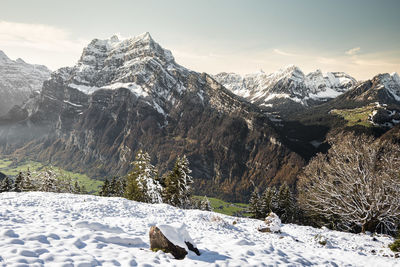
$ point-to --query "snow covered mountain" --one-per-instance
(289, 83)
(123, 95)
(49, 229)
(138, 64)
(18, 80)
(383, 88)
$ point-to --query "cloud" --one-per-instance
(40, 44)
(282, 53)
(37, 36)
(353, 51)
(327, 60)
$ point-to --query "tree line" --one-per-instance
(47, 180)
(143, 183)
(280, 201)
(355, 187)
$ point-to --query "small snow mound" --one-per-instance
(99, 227)
(122, 241)
(10, 233)
(273, 223)
(244, 242)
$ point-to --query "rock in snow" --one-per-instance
(50, 229)
(170, 239)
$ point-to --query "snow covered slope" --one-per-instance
(51, 229)
(287, 83)
(18, 80)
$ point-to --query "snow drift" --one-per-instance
(52, 229)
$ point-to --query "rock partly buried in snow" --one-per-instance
(174, 240)
(273, 224)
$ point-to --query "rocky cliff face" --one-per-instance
(287, 86)
(18, 80)
(131, 94)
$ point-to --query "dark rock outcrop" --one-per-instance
(158, 241)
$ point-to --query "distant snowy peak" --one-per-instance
(391, 83)
(339, 81)
(19, 69)
(383, 88)
(289, 82)
(3, 57)
(18, 80)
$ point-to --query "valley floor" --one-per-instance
(48, 229)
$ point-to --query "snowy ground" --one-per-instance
(49, 229)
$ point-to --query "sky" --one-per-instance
(360, 37)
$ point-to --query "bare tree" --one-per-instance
(357, 183)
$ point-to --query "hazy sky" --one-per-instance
(360, 37)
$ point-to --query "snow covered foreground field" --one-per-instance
(51, 229)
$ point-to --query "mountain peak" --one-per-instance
(291, 68)
(396, 77)
(20, 60)
(114, 38)
(3, 57)
(145, 36)
(119, 50)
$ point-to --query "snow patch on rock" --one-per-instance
(176, 234)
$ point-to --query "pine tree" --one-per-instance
(27, 182)
(5, 185)
(48, 180)
(285, 203)
(178, 184)
(121, 185)
(18, 182)
(113, 187)
(267, 201)
(205, 204)
(63, 182)
(83, 189)
(254, 205)
(77, 188)
(142, 182)
(104, 192)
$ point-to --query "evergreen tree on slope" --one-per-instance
(142, 184)
(254, 205)
(27, 182)
(205, 204)
(104, 192)
(285, 203)
(47, 180)
(267, 201)
(6, 185)
(18, 182)
(178, 183)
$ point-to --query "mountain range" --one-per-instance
(287, 83)
(125, 95)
